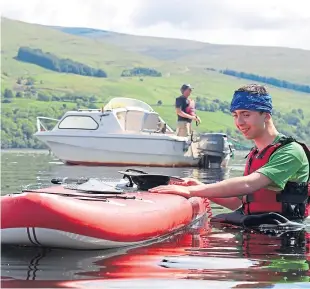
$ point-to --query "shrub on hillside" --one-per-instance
(141, 71)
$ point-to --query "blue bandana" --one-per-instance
(245, 100)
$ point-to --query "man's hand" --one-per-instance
(172, 189)
(198, 120)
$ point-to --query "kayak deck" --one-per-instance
(66, 218)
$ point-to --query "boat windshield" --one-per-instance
(83, 122)
(123, 102)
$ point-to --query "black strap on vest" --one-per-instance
(294, 197)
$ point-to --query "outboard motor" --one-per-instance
(214, 149)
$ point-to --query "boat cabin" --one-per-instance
(120, 115)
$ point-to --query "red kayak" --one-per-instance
(63, 217)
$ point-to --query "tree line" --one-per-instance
(52, 62)
(265, 79)
(19, 124)
(66, 65)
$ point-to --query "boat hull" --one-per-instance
(46, 218)
(121, 151)
(125, 151)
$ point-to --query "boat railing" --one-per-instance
(90, 109)
(42, 124)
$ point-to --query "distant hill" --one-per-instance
(94, 53)
(28, 89)
(286, 63)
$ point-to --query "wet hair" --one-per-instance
(253, 89)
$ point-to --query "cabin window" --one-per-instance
(78, 122)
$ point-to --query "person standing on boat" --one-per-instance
(276, 175)
(185, 109)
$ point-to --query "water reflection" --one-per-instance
(197, 254)
(199, 257)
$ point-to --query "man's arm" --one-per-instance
(231, 187)
(184, 114)
(232, 203)
(224, 193)
(283, 164)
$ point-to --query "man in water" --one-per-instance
(185, 109)
(276, 175)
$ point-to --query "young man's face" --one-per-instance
(251, 124)
(187, 92)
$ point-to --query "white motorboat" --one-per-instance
(128, 132)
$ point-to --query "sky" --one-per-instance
(243, 22)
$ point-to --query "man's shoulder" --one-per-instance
(180, 101)
(293, 149)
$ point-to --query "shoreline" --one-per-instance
(24, 150)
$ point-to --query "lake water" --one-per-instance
(201, 257)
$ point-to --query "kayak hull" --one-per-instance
(49, 218)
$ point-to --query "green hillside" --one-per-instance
(92, 52)
(29, 90)
(285, 63)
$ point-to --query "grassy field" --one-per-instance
(113, 59)
(210, 85)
